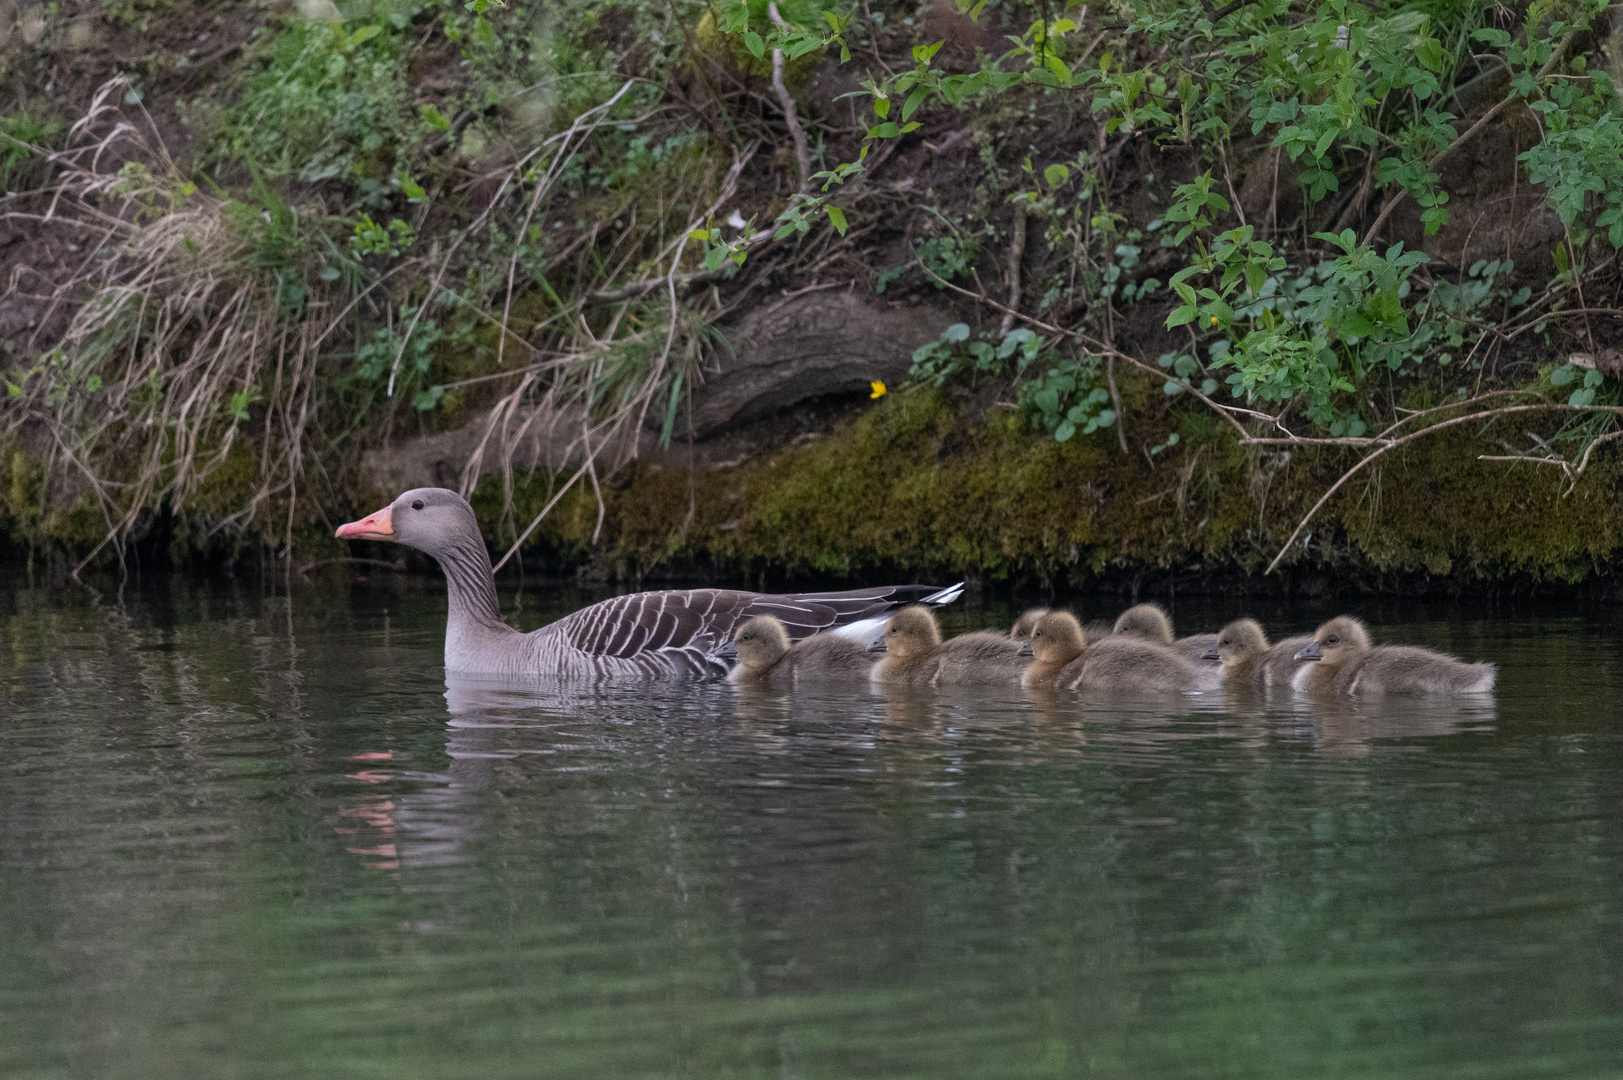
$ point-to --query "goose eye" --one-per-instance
(416, 504)
(1331, 640)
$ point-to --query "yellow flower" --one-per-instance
(879, 390)
(1214, 320)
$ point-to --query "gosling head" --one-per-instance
(909, 633)
(1021, 630)
(1336, 642)
(1146, 621)
(758, 643)
(1237, 642)
(1056, 639)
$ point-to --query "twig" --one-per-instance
(307, 567)
(1440, 425)
(1096, 345)
(787, 102)
(1017, 252)
(1392, 203)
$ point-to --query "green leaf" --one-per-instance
(837, 217)
(914, 100)
(434, 118)
(364, 34)
(1056, 175)
(753, 42)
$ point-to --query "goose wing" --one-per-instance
(682, 620)
(805, 614)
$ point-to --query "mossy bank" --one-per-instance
(915, 486)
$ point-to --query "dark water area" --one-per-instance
(252, 833)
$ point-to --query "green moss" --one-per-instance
(911, 487)
(1438, 509)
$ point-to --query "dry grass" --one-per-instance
(177, 328)
(183, 340)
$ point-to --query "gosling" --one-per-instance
(1064, 658)
(1150, 622)
(767, 655)
(1021, 630)
(915, 654)
(1246, 657)
(1342, 661)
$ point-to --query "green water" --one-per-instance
(247, 834)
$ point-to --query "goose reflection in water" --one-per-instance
(713, 741)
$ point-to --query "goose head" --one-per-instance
(1145, 621)
(909, 633)
(758, 643)
(1057, 639)
(432, 520)
(1336, 642)
(1237, 642)
(1021, 630)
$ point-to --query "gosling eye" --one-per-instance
(416, 504)
(1331, 640)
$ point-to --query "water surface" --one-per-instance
(252, 833)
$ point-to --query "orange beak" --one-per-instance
(378, 526)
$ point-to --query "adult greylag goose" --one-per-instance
(1064, 658)
(1150, 622)
(1243, 651)
(676, 632)
(1341, 660)
(915, 653)
(766, 654)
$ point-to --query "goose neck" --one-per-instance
(471, 586)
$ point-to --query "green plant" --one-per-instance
(23, 136)
(1068, 399)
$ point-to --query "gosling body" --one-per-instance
(1341, 660)
(1064, 658)
(766, 656)
(1247, 659)
(1150, 622)
(916, 655)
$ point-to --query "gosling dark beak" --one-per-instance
(378, 526)
(878, 644)
(1025, 649)
(1211, 654)
(728, 650)
(1310, 651)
